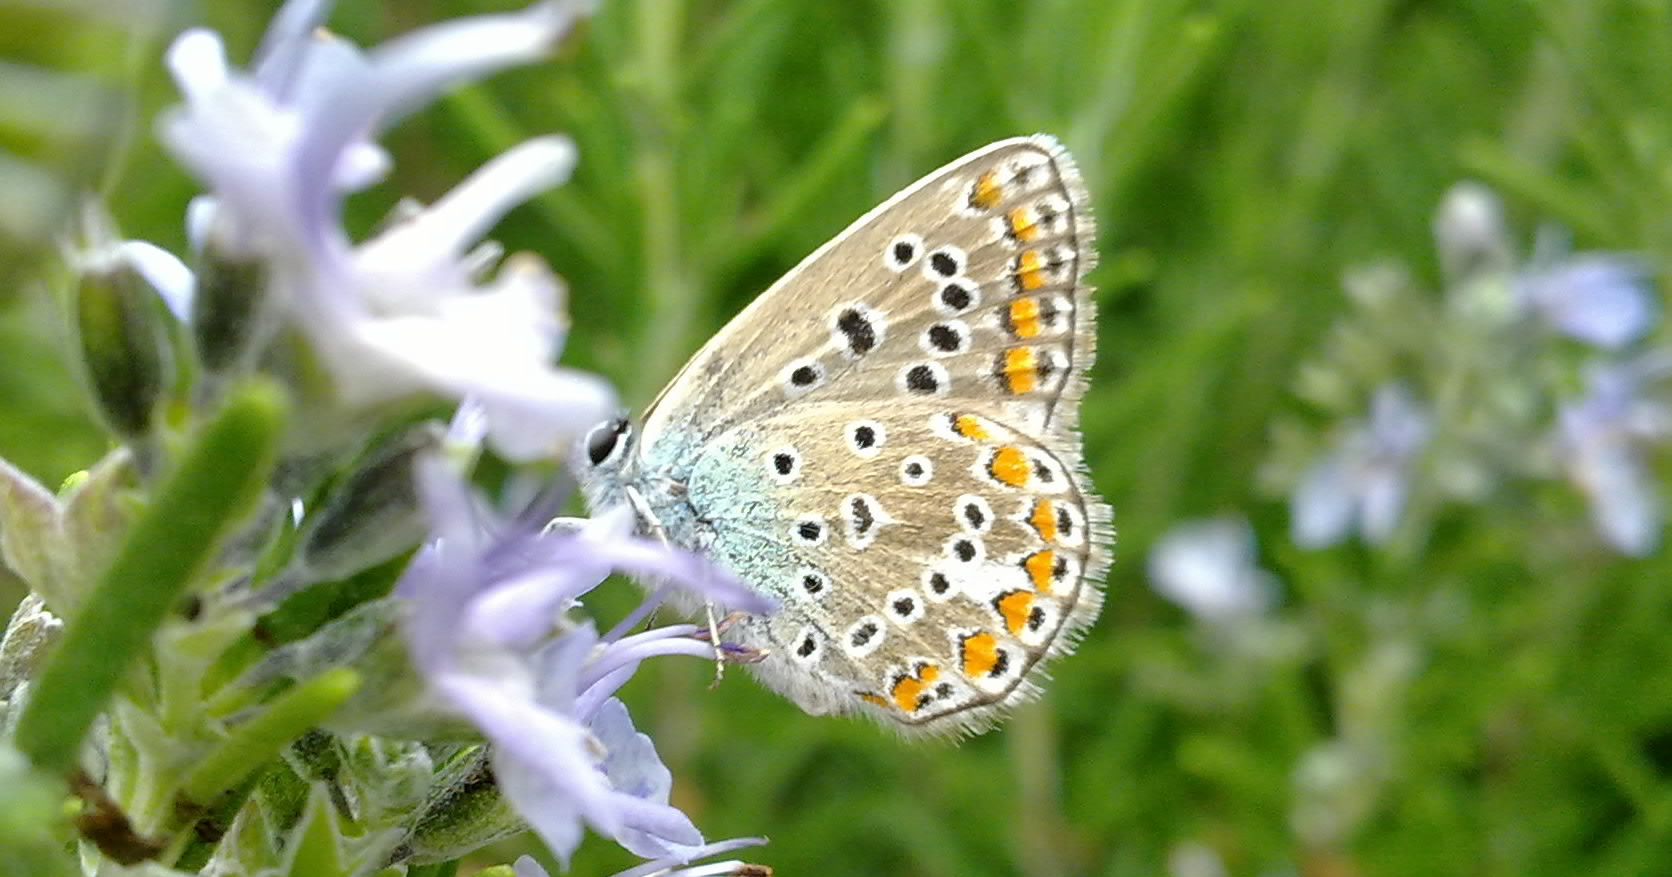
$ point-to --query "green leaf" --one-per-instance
(261, 739)
(313, 850)
(466, 811)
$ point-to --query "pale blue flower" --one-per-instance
(410, 310)
(486, 628)
(1362, 485)
(1601, 439)
(1602, 299)
(1208, 568)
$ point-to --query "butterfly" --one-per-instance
(885, 443)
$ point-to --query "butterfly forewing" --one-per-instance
(992, 249)
(884, 442)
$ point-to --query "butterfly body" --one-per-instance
(884, 442)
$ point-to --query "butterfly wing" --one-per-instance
(985, 257)
(927, 558)
(884, 440)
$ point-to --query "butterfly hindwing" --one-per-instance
(927, 558)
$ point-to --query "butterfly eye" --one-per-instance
(604, 438)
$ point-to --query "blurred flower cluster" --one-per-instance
(1525, 376)
(1523, 369)
(279, 630)
(1519, 371)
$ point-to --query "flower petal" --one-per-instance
(411, 69)
(1597, 298)
(665, 865)
(197, 61)
(525, 866)
(285, 46)
(461, 217)
(169, 276)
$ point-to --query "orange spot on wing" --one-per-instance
(1024, 317)
(907, 689)
(874, 699)
(979, 653)
(969, 426)
(1013, 608)
(987, 191)
(1044, 520)
(1010, 466)
(906, 692)
(1023, 226)
(1030, 270)
(1020, 370)
(1040, 566)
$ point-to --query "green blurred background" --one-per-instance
(1241, 155)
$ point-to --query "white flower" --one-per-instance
(408, 311)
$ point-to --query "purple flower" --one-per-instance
(1208, 568)
(1600, 439)
(1362, 484)
(410, 310)
(486, 628)
(1599, 298)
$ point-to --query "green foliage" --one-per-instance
(218, 479)
(1491, 702)
(65, 112)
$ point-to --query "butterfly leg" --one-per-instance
(642, 508)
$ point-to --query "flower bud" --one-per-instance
(373, 515)
(228, 312)
(124, 341)
(1470, 234)
(465, 811)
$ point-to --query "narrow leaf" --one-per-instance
(264, 737)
